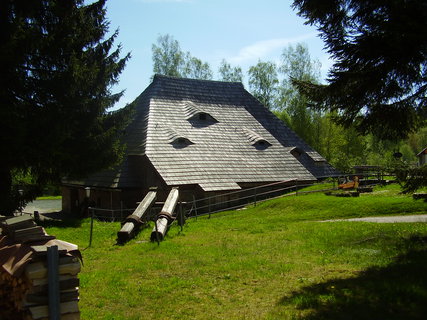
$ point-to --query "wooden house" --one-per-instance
(207, 137)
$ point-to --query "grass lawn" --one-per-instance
(273, 261)
(49, 198)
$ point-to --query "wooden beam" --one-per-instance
(166, 215)
(132, 222)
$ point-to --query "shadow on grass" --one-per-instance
(398, 291)
(64, 223)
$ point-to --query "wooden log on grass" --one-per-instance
(134, 221)
(166, 216)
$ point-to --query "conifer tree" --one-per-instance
(58, 68)
(379, 77)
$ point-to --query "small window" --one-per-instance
(256, 140)
(181, 142)
(261, 144)
(296, 152)
(201, 120)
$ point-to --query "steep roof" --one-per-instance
(216, 135)
(238, 140)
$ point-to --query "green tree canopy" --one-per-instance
(167, 56)
(229, 73)
(170, 60)
(379, 77)
(263, 82)
(58, 70)
(297, 64)
(195, 68)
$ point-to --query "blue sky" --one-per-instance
(242, 32)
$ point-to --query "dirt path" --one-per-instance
(390, 219)
(43, 206)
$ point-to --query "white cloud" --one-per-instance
(261, 49)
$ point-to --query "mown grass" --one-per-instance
(49, 198)
(273, 261)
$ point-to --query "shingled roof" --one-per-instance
(212, 134)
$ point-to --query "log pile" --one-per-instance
(24, 284)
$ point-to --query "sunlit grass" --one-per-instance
(273, 261)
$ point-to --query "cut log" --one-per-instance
(166, 216)
(38, 270)
(39, 312)
(65, 283)
(133, 222)
(72, 295)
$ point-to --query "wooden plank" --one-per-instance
(72, 295)
(15, 223)
(39, 312)
(65, 282)
(42, 250)
(38, 270)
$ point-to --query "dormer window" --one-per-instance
(256, 140)
(261, 144)
(176, 139)
(296, 152)
(181, 142)
(319, 161)
(196, 115)
(201, 119)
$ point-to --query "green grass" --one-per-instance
(273, 261)
(49, 198)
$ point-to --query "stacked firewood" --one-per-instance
(24, 285)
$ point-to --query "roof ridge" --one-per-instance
(159, 77)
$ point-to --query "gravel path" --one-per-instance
(43, 206)
(392, 219)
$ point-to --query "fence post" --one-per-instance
(53, 284)
(195, 205)
(157, 233)
(209, 207)
(255, 196)
(181, 219)
(91, 226)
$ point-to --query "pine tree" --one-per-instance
(55, 90)
(379, 77)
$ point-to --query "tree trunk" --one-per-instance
(7, 203)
